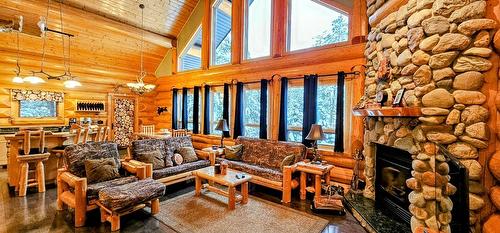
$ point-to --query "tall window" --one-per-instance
(295, 110)
(327, 108)
(314, 24)
(257, 28)
(327, 104)
(179, 108)
(190, 100)
(190, 57)
(251, 110)
(217, 97)
(221, 34)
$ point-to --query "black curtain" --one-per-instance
(225, 107)
(238, 116)
(310, 106)
(263, 109)
(206, 111)
(339, 125)
(174, 108)
(196, 109)
(184, 114)
(282, 134)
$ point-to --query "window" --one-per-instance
(295, 110)
(251, 111)
(314, 24)
(190, 57)
(217, 97)
(327, 104)
(327, 109)
(37, 108)
(179, 109)
(221, 34)
(190, 107)
(257, 28)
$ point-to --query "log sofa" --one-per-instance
(167, 147)
(263, 160)
(74, 191)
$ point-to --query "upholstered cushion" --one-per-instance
(177, 159)
(139, 147)
(154, 157)
(128, 195)
(287, 161)
(100, 170)
(174, 143)
(185, 167)
(75, 155)
(188, 154)
(263, 172)
(93, 189)
(268, 153)
(233, 152)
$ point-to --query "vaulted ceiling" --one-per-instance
(105, 50)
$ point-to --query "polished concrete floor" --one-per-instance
(37, 212)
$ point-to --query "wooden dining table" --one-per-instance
(15, 143)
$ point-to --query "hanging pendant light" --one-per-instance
(139, 86)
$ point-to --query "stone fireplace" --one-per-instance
(440, 53)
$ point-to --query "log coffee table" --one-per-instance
(229, 180)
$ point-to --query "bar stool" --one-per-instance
(102, 134)
(77, 130)
(34, 156)
(148, 129)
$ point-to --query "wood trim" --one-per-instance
(206, 35)
(386, 9)
(237, 31)
(278, 33)
(389, 112)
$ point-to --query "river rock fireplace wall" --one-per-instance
(440, 53)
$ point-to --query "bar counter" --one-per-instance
(51, 140)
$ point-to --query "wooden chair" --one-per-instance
(148, 129)
(34, 156)
(102, 134)
(179, 133)
(77, 131)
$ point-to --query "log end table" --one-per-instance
(318, 170)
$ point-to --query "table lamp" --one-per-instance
(222, 126)
(316, 134)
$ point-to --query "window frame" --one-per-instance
(18, 120)
(185, 50)
(288, 25)
(244, 34)
(254, 86)
(213, 47)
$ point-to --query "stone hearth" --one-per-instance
(438, 52)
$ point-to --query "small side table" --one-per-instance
(318, 170)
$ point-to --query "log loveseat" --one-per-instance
(263, 160)
(167, 147)
(74, 191)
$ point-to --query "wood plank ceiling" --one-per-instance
(106, 48)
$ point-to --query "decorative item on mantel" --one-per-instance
(315, 134)
(140, 87)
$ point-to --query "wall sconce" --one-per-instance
(161, 110)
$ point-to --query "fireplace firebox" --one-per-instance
(393, 168)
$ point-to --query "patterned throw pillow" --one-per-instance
(188, 154)
(100, 170)
(154, 157)
(233, 152)
(287, 161)
(178, 159)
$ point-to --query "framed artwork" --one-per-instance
(398, 99)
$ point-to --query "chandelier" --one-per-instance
(36, 76)
(139, 86)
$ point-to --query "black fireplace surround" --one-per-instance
(393, 168)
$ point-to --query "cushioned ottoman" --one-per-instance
(120, 200)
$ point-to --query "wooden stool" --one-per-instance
(179, 133)
(35, 158)
(102, 134)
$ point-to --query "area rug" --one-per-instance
(208, 213)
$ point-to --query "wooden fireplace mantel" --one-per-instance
(389, 112)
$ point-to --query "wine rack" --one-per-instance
(90, 106)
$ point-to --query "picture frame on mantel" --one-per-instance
(398, 98)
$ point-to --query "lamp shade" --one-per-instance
(316, 133)
(222, 125)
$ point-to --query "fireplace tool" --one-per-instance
(331, 202)
(355, 182)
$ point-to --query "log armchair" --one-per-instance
(74, 191)
(264, 160)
